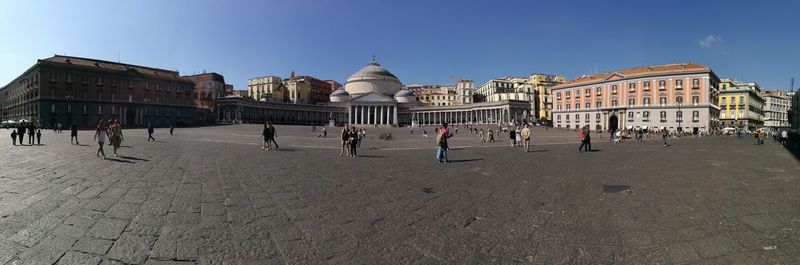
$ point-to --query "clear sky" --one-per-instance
(426, 41)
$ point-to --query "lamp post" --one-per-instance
(680, 119)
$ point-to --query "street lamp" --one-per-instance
(680, 119)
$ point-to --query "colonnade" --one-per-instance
(373, 115)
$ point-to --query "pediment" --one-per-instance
(614, 76)
(372, 97)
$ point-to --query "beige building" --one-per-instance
(437, 95)
(507, 88)
(776, 108)
(268, 88)
(675, 97)
(741, 105)
(542, 85)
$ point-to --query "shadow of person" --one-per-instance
(133, 158)
(119, 160)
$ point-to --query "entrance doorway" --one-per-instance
(613, 123)
(130, 117)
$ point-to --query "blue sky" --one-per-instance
(419, 41)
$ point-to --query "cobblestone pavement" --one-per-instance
(211, 196)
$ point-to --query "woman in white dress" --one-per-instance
(101, 135)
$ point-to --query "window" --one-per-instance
(85, 110)
(146, 86)
(663, 116)
(695, 100)
(662, 100)
(679, 99)
(558, 95)
(632, 101)
(646, 85)
(567, 106)
(588, 92)
(696, 83)
(679, 116)
(646, 116)
(577, 106)
(85, 80)
(69, 79)
(69, 108)
(114, 82)
(695, 116)
(598, 104)
(130, 98)
(567, 95)
(130, 84)
(567, 117)
(99, 96)
(113, 109)
(588, 105)
(99, 109)
(614, 89)
(52, 77)
(632, 87)
(662, 85)
(578, 93)
(113, 96)
(587, 117)
(558, 118)
(53, 108)
(613, 103)
(678, 84)
(99, 81)
(599, 90)
(646, 101)
(630, 116)
(597, 118)
(577, 117)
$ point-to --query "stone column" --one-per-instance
(394, 110)
(363, 115)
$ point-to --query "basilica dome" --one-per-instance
(373, 78)
(340, 95)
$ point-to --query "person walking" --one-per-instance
(21, 134)
(31, 133)
(424, 133)
(267, 138)
(172, 130)
(784, 137)
(512, 136)
(586, 139)
(345, 136)
(664, 136)
(456, 128)
(441, 142)
(14, 137)
(73, 134)
(116, 135)
(150, 132)
(324, 132)
(525, 134)
(483, 139)
(274, 134)
(491, 135)
(39, 137)
(352, 139)
(100, 135)
(360, 137)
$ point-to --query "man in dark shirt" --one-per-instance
(31, 133)
(73, 134)
(150, 131)
(21, 133)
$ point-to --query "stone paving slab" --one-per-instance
(211, 196)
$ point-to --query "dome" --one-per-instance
(405, 96)
(340, 92)
(373, 78)
(340, 95)
(404, 93)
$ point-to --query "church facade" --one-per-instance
(372, 96)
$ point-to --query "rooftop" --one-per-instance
(638, 71)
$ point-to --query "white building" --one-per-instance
(776, 109)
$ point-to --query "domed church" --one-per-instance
(373, 95)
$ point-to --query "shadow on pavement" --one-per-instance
(284, 149)
(126, 146)
(596, 150)
(369, 156)
(134, 158)
(82, 144)
(464, 160)
(537, 151)
(119, 160)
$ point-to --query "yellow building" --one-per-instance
(741, 105)
(268, 88)
(542, 85)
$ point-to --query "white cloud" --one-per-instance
(709, 41)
